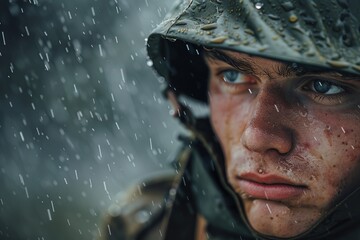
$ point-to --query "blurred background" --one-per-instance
(82, 116)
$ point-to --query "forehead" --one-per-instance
(263, 66)
(243, 60)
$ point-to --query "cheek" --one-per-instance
(228, 118)
(336, 147)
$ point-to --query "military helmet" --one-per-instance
(321, 33)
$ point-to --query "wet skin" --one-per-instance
(291, 138)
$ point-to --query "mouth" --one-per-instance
(269, 187)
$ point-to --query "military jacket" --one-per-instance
(166, 207)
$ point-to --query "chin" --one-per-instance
(275, 219)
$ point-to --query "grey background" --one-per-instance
(82, 117)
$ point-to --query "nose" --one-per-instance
(268, 127)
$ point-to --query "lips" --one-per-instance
(270, 187)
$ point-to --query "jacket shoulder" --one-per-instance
(137, 211)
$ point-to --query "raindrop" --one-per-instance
(90, 183)
(100, 50)
(142, 216)
(3, 37)
(52, 206)
(149, 63)
(27, 31)
(21, 179)
(22, 136)
(293, 18)
(288, 6)
(122, 74)
(181, 23)
(219, 40)
(208, 27)
(273, 17)
(100, 153)
(171, 39)
(259, 5)
(267, 197)
(249, 31)
(108, 226)
(268, 207)
(26, 192)
(106, 190)
(93, 11)
(75, 90)
(49, 214)
(338, 64)
(342, 128)
(172, 192)
(276, 107)
(335, 56)
(309, 20)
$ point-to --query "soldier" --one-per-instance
(279, 154)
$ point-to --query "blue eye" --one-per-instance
(325, 87)
(232, 76)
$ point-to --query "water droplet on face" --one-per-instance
(259, 5)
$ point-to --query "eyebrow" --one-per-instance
(240, 64)
(283, 70)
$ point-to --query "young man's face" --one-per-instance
(291, 138)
